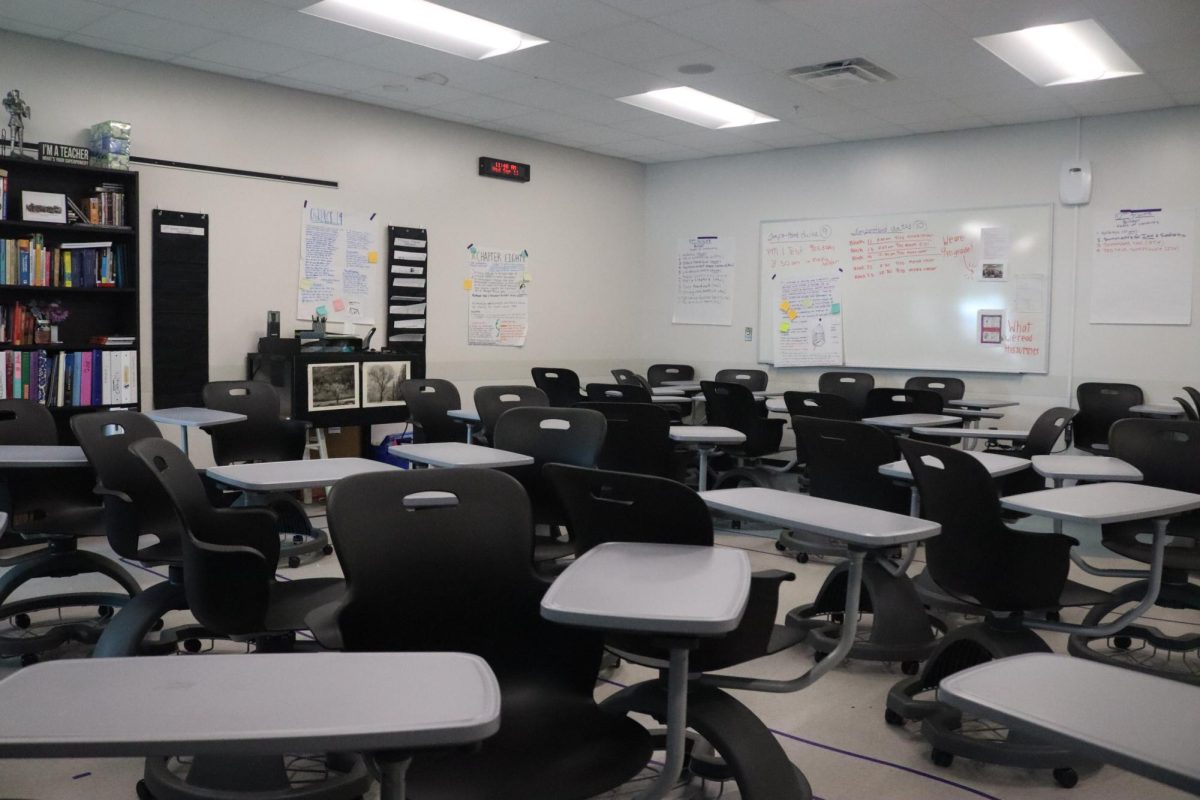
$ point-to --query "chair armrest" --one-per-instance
(113, 493)
(252, 528)
(324, 624)
(777, 575)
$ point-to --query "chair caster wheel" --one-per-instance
(942, 758)
(297, 538)
(293, 561)
(780, 547)
(22, 621)
(837, 619)
(327, 550)
(28, 659)
(1066, 777)
(105, 612)
(192, 645)
(1122, 642)
(910, 667)
(892, 718)
(802, 558)
(143, 791)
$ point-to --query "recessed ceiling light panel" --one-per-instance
(1054, 55)
(696, 107)
(426, 24)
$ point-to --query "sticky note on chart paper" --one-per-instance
(785, 306)
(322, 311)
(305, 284)
(372, 257)
(836, 308)
(467, 284)
(784, 327)
(339, 304)
(792, 314)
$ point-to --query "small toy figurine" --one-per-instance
(18, 111)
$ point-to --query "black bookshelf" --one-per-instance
(92, 310)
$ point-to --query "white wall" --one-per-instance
(1139, 160)
(410, 170)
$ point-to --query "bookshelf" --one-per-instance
(50, 276)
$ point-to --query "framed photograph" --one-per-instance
(43, 207)
(991, 327)
(994, 271)
(381, 382)
(332, 387)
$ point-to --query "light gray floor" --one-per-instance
(834, 731)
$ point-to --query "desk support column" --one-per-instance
(677, 689)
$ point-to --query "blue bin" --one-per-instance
(391, 440)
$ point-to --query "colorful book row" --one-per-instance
(88, 265)
(85, 378)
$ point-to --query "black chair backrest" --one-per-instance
(885, 402)
(105, 437)
(457, 565)
(428, 400)
(492, 401)
(1045, 432)
(843, 463)
(1100, 405)
(618, 393)
(1167, 451)
(27, 423)
(566, 435)
(732, 405)
(627, 377)
(817, 404)
(659, 374)
(1189, 410)
(976, 555)
(753, 379)
(561, 385)
(851, 385)
(637, 438)
(263, 436)
(948, 388)
(605, 506)
(229, 557)
(1194, 393)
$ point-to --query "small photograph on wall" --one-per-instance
(381, 382)
(994, 271)
(332, 387)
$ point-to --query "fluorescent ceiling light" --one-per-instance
(696, 107)
(1053, 55)
(426, 24)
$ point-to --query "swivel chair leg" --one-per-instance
(126, 633)
(64, 564)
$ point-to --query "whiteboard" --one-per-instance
(1142, 264)
(965, 290)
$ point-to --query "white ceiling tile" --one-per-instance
(438, 113)
(17, 26)
(632, 43)
(1186, 98)
(1031, 99)
(957, 124)
(593, 134)
(247, 54)
(221, 69)
(1122, 106)
(983, 17)
(556, 60)
(619, 81)
(548, 95)
(606, 112)
(315, 35)
(143, 30)
(1164, 54)
(549, 19)
(479, 107)
(542, 122)
(118, 47)
(845, 122)
(1134, 86)
(657, 8)
(229, 16)
(904, 114)
(413, 93)
(884, 132)
(295, 5)
(769, 94)
(305, 86)
(901, 92)
(673, 155)
(657, 126)
(645, 146)
(1023, 117)
(722, 63)
(1149, 21)
(57, 15)
(342, 75)
(410, 59)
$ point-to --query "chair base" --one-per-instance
(944, 726)
(251, 778)
(750, 752)
(1182, 659)
(126, 634)
(901, 629)
(61, 560)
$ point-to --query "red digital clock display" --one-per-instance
(505, 170)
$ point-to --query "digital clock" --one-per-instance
(505, 170)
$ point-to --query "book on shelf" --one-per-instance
(90, 265)
(79, 378)
(3, 194)
(112, 341)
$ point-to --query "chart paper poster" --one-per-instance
(808, 321)
(1142, 264)
(704, 281)
(340, 269)
(498, 309)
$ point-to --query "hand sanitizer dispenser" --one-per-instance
(1075, 183)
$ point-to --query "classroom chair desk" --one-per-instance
(982, 404)
(191, 417)
(286, 476)
(1164, 410)
(470, 416)
(706, 439)
(972, 433)
(41, 456)
(910, 422)
(460, 454)
(996, 464)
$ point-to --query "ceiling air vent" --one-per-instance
(836, 75)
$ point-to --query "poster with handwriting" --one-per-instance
(808, 329)
(704, 281)
(1142, 264)
(498, 307)
(340, 270)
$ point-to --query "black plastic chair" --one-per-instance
(1189, 410)
(1100, 405)
(263, 436)
(492, 401)
(753, 379)
(561, 385)
(981, 564)
(135, 505)
(627, 377)
(618, 393)
(1045, 432)
(229, 557)
(554, 741)
(658, 374)
(819, 405)
(732, 405)
(54, 508)
(885, 402)
(1168, 454)
(947, 388)
(1194, 394)
(637, 438)
(844, 459)
(851, 385)
(428, 400)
